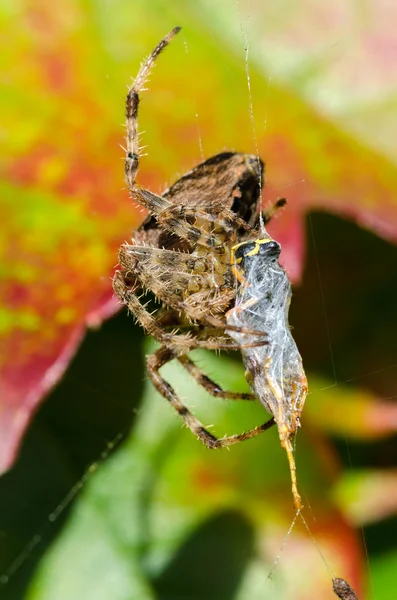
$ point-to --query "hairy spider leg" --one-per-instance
(181, 219)
(159, 359)
(164, 272)
(181, 343)
(210, 386)
(132, 103)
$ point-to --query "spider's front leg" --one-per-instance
(159, 359)
(132, 103)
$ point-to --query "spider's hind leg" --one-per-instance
(210, 386)
(154, 363)
(159, 359)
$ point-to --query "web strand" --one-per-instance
(245, 37)
(323, 299)
(59, 509)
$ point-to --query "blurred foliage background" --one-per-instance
(104, 494)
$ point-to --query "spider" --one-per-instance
(181, 253)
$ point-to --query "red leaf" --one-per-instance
(62, 211)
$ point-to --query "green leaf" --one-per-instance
(148, 504)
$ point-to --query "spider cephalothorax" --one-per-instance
(181, 253)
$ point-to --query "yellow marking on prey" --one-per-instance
(258, 243)
(254, 251)
(234, 248)
(239, 273)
